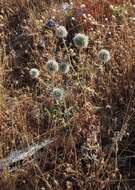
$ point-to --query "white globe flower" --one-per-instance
(66, 7)
(52, 66)
(104, 55)
(61, 32)
(81, 40)
(57, 94)
(64, 68)
(34, 73)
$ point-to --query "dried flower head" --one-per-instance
(58, 94)
(81, 40)
(50, 23)
(65, 7)
(34, 73)
(63, 68)
(61, 32)
(52, 66)
(104, 55)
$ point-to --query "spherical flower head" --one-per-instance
(63, 68)
(52, 66)
(50, 23)
(81, 40)
(58, 94)
(104, 55)
(65, 7)
(61, 32)
(34, 73)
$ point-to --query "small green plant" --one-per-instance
(119, 10)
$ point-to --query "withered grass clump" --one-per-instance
(93, 126)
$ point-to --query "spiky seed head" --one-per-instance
(50, 23)
(61, 32)
(52, 66)
(34, 73)
(58, 94)
(104, 55)
(81, 40)
(65, 7)
(63, 68)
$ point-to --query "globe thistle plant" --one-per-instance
(81, 40)
(61, 32)
(57, 94)
(34, 73)
(52, 66)
(63, 68)
(104, 55)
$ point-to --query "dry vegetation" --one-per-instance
(93, 126)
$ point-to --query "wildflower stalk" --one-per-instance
(42, 82)
(68, 54)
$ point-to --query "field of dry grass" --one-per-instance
(68, 123)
